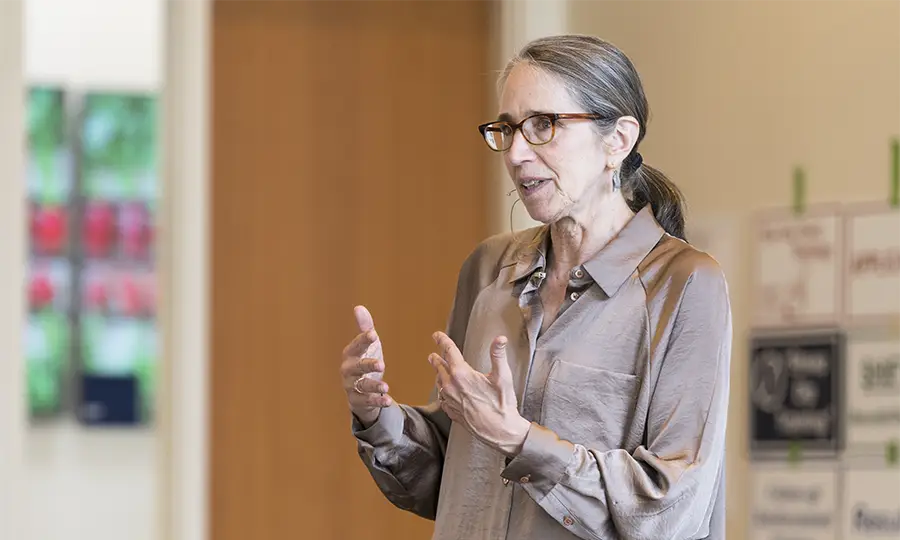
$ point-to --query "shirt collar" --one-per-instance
(611, 266)
(531, 255)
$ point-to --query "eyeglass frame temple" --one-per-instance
(554, 117)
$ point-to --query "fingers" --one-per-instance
(449, 352)
(500, 371)
(354, 368)
(363, 319)
(369, 400)
(440, 368)
(498, 347)
(443, 379)
(362, 363)
(367, 392)
(447, 397)
(368, 385)
(360, 344)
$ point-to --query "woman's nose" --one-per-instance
(519, 151)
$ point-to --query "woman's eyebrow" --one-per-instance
(506, 117)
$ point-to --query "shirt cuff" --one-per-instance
(543, 461)
(387, 429)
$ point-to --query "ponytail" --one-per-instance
(650, 186)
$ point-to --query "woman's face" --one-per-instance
(567, 177)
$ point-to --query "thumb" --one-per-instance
(500, 371)
(363, 319)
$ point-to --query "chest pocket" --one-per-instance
(589, 406)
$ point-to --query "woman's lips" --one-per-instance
(532, 185)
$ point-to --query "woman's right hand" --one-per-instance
(362, 371)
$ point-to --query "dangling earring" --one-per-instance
(616, 180)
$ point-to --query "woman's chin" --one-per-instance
(542, 214)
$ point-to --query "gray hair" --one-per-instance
(603, 80)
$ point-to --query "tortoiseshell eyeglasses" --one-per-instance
(537, 129)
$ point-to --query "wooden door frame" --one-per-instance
(183, 403)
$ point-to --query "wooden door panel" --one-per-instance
(346, 169)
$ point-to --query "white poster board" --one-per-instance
(872, 263)
(798, 502)
(797, 272)
(871, 506)
(873, 395)
(719, 236)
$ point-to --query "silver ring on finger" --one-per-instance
(356, 385)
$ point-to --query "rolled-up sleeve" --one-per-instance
(668, 486)
(404, 452)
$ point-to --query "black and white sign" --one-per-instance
(871, 504)
(873, 395)
(800, 503)
(795, 393)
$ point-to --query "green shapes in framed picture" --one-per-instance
(120, 189)
(119, 147)
(49, 180)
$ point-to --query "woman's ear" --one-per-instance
(622, 139)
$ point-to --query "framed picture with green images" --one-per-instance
(118, 328)
(49, 181)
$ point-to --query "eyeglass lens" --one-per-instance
(537, 130)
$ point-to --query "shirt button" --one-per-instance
(568, 521)
(578, 273)
(574, 296)
(525, 479)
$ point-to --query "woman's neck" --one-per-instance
(575, 240)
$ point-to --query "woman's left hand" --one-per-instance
(485, 404)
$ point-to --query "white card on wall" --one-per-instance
(797, 268)
(718, 236)
(872, 262)
(871, 505)
(796, 502)
(873, 395)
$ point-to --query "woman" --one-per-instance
(582, 384)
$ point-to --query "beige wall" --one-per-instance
(76, 45)
(12, 262)
(741, 92)
(54, 481)
(99, 484)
